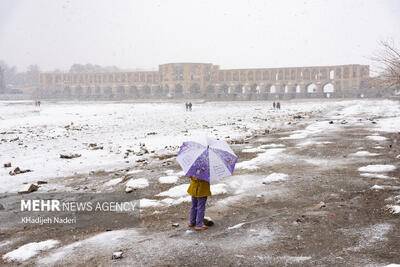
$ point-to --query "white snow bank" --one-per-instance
(395, 209)
(134, 171)
(168, 179)
(137, 183)
(312, 142)
(171, 201)
(296, 135)
(172, 173)
(95, 246)
(274, 177)
(29, 250)
(146, 203)
(253, 150)
(272, 145)
(313, 129)
(376, 137)
(113, 182)
(375, 175)
(377, 187)
(391, 125)
(236, 226)
(175, 192)
(377, 168)
(269, 155)
(363, 154)
(218, 189)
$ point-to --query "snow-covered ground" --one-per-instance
(33, 139)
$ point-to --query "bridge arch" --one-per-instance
(78, 91)
(121, 90)
(97, 91)
(311, 88)
(158, 90)
(210, 89)
(88, 91)
(133, 91)
(146, 90)
(224, 89)
(284, 89)
(195, 88)
(272, 89)
(254, 89)
(328, 89)
(178, 89)
(298, 89)
(239, 89)
(166, 89)
(67, 91)
(108, 91)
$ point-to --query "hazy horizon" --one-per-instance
(144, 34)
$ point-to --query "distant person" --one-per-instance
(38, 103)
(274, 105)
(190, 106)
(187, 106)
(278, 105)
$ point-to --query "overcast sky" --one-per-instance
(232, 34)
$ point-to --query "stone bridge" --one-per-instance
(204, 80)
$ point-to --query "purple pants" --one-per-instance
(198, 210)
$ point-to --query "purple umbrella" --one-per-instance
(207, 159)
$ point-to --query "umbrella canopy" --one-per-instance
(207, 159)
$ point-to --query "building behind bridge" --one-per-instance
(205, 80)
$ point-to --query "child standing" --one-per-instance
(199, 190)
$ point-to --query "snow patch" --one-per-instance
(147, 203)
(175, 192)
(363, 154)
(168, 179)
(137, 183)
(377, 168)
(218, 189)
(134, 171)
(395, 209)
(113, 182)
(274, 177)
(391, 125)
(376, 138)
(171, 201)
(29, 250)
(269, 155)
(253, 150)
(272, 145)
(377, 187)
(239, 225)
(375, 175)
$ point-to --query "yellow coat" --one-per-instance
(199, 188)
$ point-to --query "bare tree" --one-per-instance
(387, 61)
